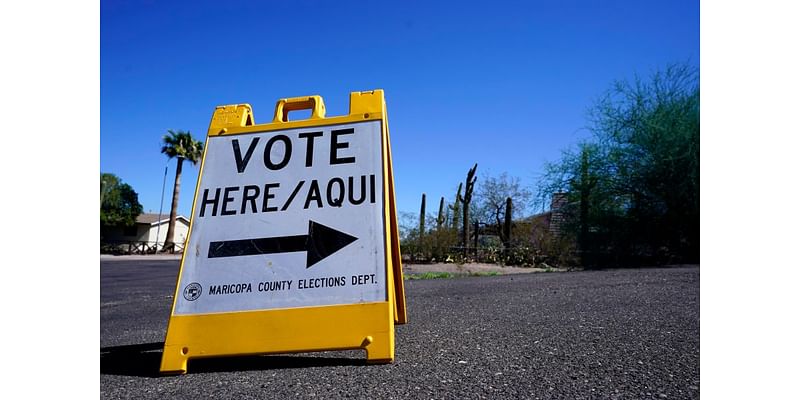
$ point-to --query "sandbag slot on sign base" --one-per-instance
(313, 103)
(234, 115)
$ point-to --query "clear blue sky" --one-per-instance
(503, 84)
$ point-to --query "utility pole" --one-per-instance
(161, 206)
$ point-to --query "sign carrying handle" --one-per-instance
(313, 103)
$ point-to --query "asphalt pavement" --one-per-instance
(610, 334)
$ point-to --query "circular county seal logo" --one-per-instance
(192, 291)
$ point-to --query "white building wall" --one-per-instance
(181, 232)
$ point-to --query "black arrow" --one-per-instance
(320, 242)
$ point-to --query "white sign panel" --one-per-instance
(285, 219)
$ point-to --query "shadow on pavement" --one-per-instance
(145, 359)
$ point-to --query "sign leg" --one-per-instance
(380, 348)
(174, 360)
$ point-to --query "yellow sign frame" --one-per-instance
(368, 326)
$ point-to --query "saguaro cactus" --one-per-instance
(422, 218)
(507, 226)
(470, 184)
(440, 216)
(457, 209)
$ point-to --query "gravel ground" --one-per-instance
(595, 334)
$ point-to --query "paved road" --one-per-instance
(609, 334)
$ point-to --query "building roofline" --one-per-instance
(148, 216)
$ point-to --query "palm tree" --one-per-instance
(182, 145)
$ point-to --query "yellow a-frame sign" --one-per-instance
(293, 244)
